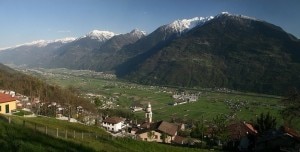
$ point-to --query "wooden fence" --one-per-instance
(57, 132)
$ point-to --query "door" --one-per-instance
(6, 108)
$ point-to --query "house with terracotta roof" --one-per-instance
(161, 131)
(241, 136)
(283, 139)
(113, 124)
(7, 103)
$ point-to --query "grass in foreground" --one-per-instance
(15, 137)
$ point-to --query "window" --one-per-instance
(7, 108)
(155, 136)
(145, 139)
(0, 108)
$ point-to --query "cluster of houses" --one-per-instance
(183, 98)
(11, 102)
(161, 131)
(106, 102)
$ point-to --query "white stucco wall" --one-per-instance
(113, 127)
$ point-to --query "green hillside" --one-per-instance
(33, 87)
(16, 137)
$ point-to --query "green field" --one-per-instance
(235, 105)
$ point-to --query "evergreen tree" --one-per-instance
(265, 122)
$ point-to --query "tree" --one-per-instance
(265, 122)
(219, 131)
(219, 124)
(98, 102)
(198, 130)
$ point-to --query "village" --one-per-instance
(240, 133)
(117, 126)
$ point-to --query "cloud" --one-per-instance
(64, 31)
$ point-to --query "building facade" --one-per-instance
(113, 124)
(7, 103)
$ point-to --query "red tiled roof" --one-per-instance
(291, 132)
(6, 98)
(240, 129)
(161, 126)
(168, 128)
(250, 127)
(113, 120)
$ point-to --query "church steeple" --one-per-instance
(148, 114)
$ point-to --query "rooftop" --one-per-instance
(161, 126)
(6, 98)
(113, 120)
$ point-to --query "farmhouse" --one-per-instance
(113, 124)
(161, 131)
(7, 103)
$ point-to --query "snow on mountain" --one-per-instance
(42, 43)
(138, 33)
(38, 43)
(237, 16)
(5, 48)
(100, 35)
(66, 40)
(184, 25)
(187, 24)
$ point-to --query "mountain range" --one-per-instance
(231, 51)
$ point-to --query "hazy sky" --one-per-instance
(28, 20)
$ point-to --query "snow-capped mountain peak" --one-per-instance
(100, 35)
(138, 33)
(187, 24)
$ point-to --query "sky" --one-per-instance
(23, 21)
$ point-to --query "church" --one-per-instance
(160, 131)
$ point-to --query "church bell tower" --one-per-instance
(148, 114)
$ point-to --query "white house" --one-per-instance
(113, 124)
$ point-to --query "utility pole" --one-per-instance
(202, 130)
(69, 113)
